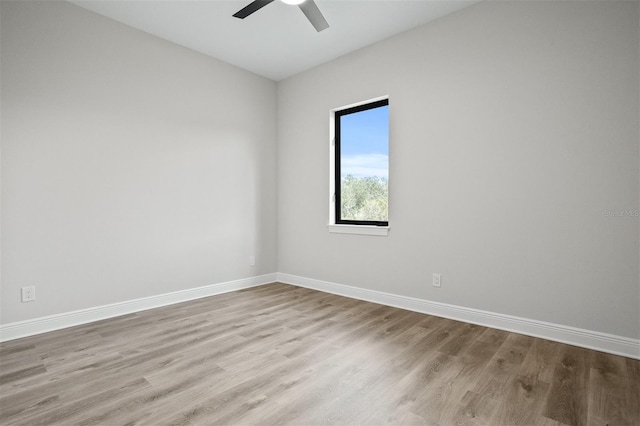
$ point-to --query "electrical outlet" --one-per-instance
(436, 280)
(252, 261)
(28, 294)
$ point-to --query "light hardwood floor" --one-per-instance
(279, 354)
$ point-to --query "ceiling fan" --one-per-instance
(308, 7)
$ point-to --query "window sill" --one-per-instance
(380, 231)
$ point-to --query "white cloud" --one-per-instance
(365, 165)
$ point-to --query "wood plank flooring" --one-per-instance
(278, 354)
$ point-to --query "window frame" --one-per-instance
(337, 222)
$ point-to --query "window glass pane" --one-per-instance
(364, 165)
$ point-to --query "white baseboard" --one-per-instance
(20, 329)
(603, 342)
(570, 335)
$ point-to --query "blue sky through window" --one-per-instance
(364, 143)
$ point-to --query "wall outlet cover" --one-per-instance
(436, 280)
(28, 294)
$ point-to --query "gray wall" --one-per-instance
(131, 167)
(514, 129)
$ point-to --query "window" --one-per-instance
(360, 156)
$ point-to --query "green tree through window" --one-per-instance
(365, 198)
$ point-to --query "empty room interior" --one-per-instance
(333, 212)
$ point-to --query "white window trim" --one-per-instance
(332, 226)
(380, 231)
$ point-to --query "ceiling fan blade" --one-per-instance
(252, 7)
(313, 14)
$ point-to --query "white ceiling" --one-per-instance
(277, 41)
